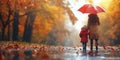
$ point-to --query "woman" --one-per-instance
(93, 24)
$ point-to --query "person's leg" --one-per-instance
(85, 46)
(91, 44)
(96, 44)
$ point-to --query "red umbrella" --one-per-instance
(89, 8)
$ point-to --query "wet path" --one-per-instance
(77, 54)
(42, 52)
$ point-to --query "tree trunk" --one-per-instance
(8, 38)
(15, 26)
(28, 27)
(3, 33)
(3, 28)
(8, 21)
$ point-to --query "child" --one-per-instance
(84, 37)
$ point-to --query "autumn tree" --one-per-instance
(47, 13)
(115, 20)
(31, 11)
(5, 16)
(110, 24)
(15, 21)
(13, 16)
(52, 22)
(39, 20)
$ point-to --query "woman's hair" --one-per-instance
(93, 19)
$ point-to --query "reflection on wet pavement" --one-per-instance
(43, 52)
(77, 54)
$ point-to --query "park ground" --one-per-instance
(46, 52)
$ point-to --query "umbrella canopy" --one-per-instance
(89, 8)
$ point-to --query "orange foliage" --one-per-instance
(110, 23)
(50, 17)
(4, 1)
(45, 55)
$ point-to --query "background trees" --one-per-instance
(34, 20)
(43, 21)
(110, 24)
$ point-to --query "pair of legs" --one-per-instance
(91, 44)
(84, 44)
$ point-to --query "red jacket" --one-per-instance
(84, 35)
